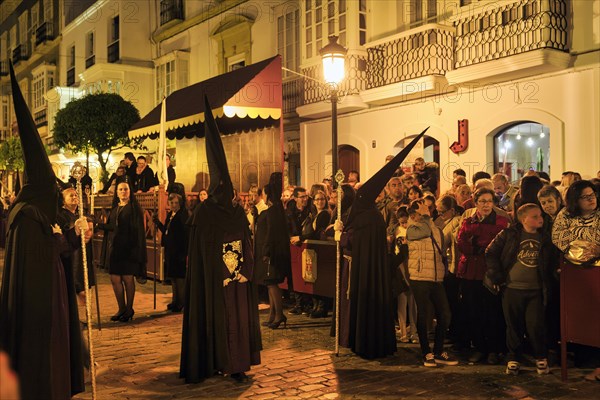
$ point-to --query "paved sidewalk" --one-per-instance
(140, 360)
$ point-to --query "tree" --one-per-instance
(96, 123)
(11, 154)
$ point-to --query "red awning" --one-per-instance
(246, 99)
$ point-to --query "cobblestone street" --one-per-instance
(140, 360)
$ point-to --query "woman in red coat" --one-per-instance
(482, 310)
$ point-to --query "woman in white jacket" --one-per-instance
(427, 270)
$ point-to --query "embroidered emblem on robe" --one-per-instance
(232, 255)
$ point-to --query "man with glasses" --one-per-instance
(298, 215)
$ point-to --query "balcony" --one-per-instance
(40, 118)
(21, 53)
(71, 76)
(316, 91)
(293, 95)
(412, 63)
(91, 60)
(113, 52)
(43, 33)
(514, 40)
(171, 10)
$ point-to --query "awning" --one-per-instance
(246, 99)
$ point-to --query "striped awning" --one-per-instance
(246, 99)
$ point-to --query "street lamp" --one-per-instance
(334, 57)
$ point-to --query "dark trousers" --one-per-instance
(485, 322)
(451, 285)
(431, 300)
(524, 313)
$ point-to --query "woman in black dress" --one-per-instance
(126, 250)
(174, 240)
(272, 250)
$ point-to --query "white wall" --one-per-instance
(567, 103)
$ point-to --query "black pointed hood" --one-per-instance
(275, 187)
(39, 181)
(368, 192)
(221, 188)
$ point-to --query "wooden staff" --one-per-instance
(77, 173)
(155, 261)
(339, 178)
(90, 193)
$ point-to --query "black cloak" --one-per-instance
(221, 331)
(371, 320)
(39, 322)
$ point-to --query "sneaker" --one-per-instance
(542, 367)
(512, 368)
(429, 360)
(414, 339)
(296, 310)
(492, 359)
(446, 359)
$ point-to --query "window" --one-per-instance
(23, 28)
(422, 12)
(170, 10)
(71, 66)
(522, 147)
(47, 10)
(171, 73)
(90, 58)
(113, 47)
(288, 40)
(323, 18)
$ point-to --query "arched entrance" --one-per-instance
(348, 159)
(429, 149)
(521, 147)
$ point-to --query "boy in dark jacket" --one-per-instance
(518, 259)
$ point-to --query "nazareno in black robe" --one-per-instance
(371, 323)
(39, 321)
(212, 312)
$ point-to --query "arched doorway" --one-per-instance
(429, 149)
(348, 159)
(521, 147)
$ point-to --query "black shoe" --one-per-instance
(239, 377)
(177, 309)
(127, 316)
(117, 316)
(275, 324)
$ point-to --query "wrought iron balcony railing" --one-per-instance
(170, 10)
(44, 32)
(427, 52)
(21, 53)
(40, 117)
(315, 89)
(511, 29)
(293, 94)
(3, 68)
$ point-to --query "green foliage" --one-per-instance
(11, 154)
(96, 123)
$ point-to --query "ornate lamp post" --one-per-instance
(334, 57)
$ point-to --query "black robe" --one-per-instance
(71, 258)
(221, 330)
(39, 322)
(371, 325)
(174, 240)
